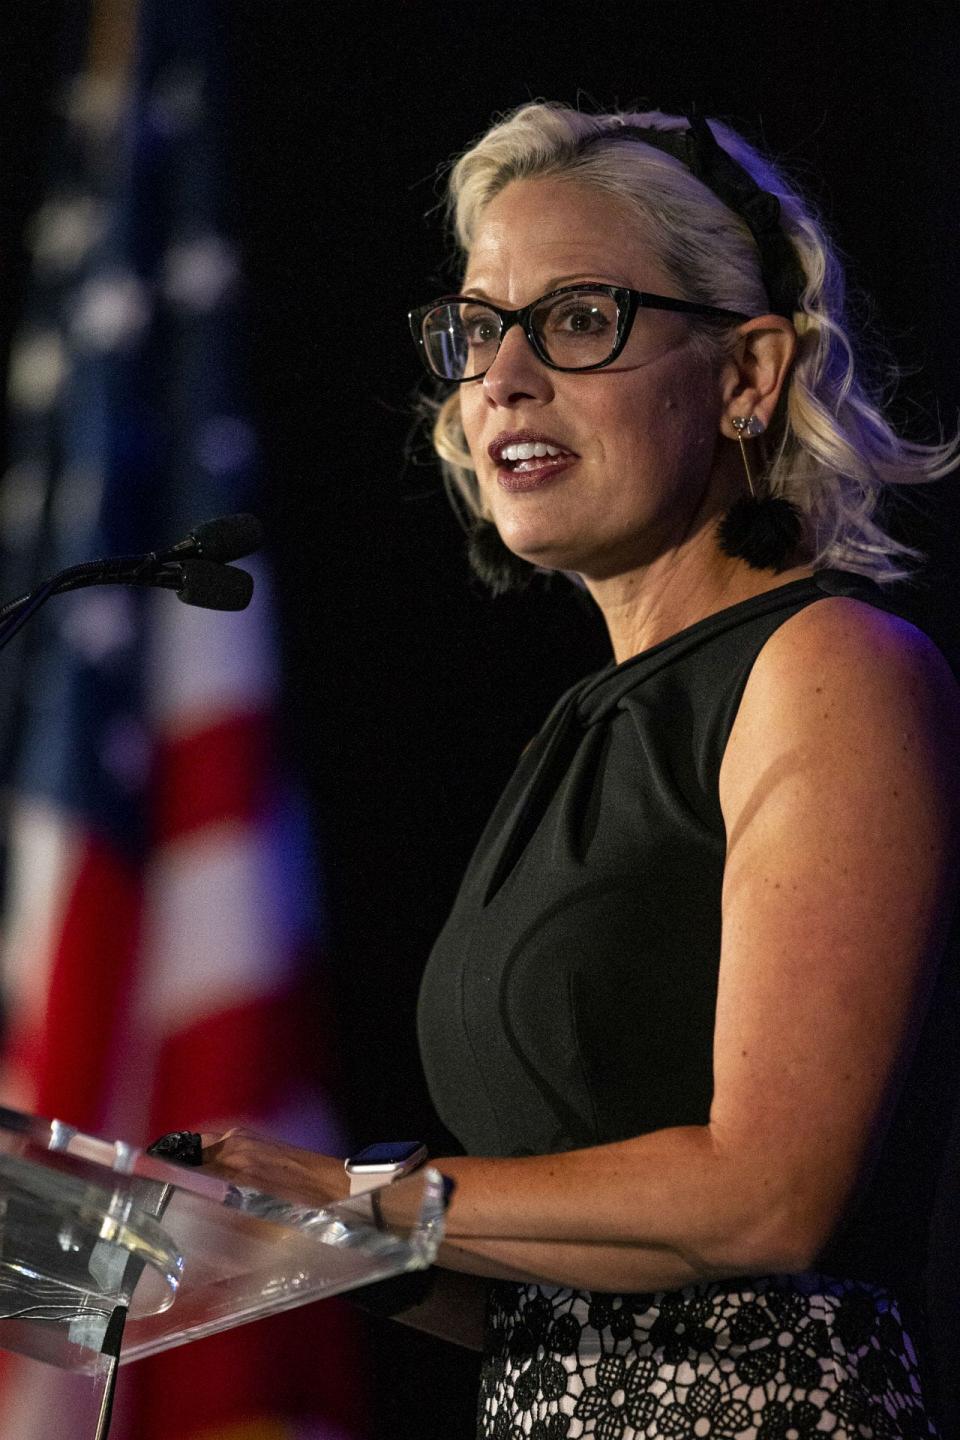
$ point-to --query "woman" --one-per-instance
(681, 1015)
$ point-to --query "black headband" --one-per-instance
(697, 149)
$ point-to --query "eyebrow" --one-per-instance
(553, 284)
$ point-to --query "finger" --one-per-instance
(181, 1146)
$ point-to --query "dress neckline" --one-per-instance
(616, 677)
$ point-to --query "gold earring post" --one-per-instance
(747, 425)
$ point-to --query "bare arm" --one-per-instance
(838, 791)
(839, 794)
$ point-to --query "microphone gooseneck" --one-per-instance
(195, 568)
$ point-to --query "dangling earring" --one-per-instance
(748, 427)
(764, 530)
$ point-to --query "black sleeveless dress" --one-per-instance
(570, 1002)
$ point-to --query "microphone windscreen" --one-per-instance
(228, 538)
(213, 586)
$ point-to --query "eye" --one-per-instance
(578, 317)
(480, 327)
(583, 319)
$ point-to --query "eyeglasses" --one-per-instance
(578, 327)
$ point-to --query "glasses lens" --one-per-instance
(460, 340)
(578, 328)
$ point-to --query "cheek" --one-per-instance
(663, 444)
(686, 420)
(688, 417)
(647, 429)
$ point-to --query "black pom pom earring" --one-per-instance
(764, 530)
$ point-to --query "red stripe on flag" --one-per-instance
(93, 969)
(272, 1369)
(213, 775)
(236, 1062)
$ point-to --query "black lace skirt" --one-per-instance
(790, 1357)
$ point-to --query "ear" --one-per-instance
(754, 373)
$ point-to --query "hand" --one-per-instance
(286, 1171)
(181, 1146)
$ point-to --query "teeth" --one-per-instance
(530, 450)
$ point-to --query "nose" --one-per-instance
(517, 373)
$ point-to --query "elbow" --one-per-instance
(778, 1237)
(789, 1247)
(773, 1214)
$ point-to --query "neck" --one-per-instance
(649, 604)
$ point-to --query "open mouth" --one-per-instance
(524, 459)
(530, 456)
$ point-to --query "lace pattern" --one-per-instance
(779, 1358)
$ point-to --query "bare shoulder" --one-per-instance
(842, 668)
(838, 631)
(846, 698)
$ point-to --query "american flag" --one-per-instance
(157, 915)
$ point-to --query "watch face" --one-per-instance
(386, 1153)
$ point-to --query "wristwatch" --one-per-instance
(379, 1164)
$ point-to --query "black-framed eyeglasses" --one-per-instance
(578, 327)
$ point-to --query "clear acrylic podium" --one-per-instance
(108, 1254)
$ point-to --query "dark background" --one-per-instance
(409, 692)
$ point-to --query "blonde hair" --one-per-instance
(831, 450)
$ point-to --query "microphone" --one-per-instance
(209, 584)
(228, 538)
(194, 568)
